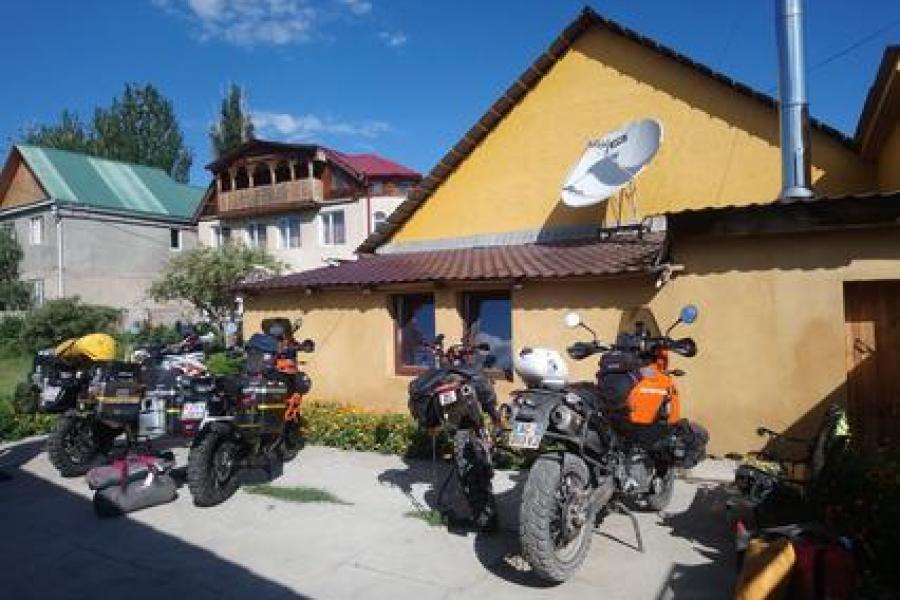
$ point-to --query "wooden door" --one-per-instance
(872, 315)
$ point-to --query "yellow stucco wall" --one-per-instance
(720, 147)
(889, 162)
(771, 329)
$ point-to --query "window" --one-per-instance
(378, 188)
(37, 292)
(289, 232)
(488, 319)
(175, 239)
(413, 326)
(256, 235)
(333, 228)
(36, 231)
(221, 235)
(378, 218)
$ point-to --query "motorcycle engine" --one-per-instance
(636, 472)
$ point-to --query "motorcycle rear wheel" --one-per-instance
(212, 471)
(291, 442)
(547, 510)
(473, 466)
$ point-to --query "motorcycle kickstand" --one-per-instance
(620, 508)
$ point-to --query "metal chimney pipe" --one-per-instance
(794, 109)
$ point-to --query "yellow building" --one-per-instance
(484, 245)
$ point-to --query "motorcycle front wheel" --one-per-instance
(76, 443)
(556, 519)
(212, 471)
(291, 442)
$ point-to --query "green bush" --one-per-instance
(64, 318)
(352, 428)
(15, 425)
(222, 364)
(10, 335)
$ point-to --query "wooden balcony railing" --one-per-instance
(277, 197)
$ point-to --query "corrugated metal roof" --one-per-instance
(110, 185)
(520, 262)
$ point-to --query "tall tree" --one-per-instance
(234, 126)
(69, 134)
(140, 127)
(14, 294)
(206, 277)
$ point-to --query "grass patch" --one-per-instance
(434, 518)
(13, 370)
(300, 494)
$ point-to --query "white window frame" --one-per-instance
(178, 240)
(36, 234)
(324, 216)
(37, 292)
(284, 239)
(253, 229)
(218, 237)
(376, 221)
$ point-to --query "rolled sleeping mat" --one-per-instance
(133, 468)
(153, 490)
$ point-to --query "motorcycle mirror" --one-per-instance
(572, 320)
(689, 314)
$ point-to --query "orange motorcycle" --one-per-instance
(600, 443)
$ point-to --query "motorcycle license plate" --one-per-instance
(446, 398)
(193, 410)
(526, 435)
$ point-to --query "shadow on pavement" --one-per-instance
(703, 524)
(53, 546)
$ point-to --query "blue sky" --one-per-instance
(404, 78)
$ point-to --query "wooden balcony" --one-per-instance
(268, 199)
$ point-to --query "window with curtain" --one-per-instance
(414, 324)
(256, 235)
(289, 232)
(488, 319)
(333, 228)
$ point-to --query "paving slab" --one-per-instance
(254, 546)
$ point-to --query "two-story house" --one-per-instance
(100, 229)
(307, 204)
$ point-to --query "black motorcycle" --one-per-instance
(254, 419)
(601, 445)
(456, 393)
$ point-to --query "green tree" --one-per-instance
(234, 126)
(14, 294)
(206, 277)
(69, 134)
(140, 127)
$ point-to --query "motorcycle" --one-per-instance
(97, 399)
(600, 444)
(255, 417)
(455, 393)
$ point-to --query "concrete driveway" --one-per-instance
(52, 545)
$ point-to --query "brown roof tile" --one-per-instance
(521, 262)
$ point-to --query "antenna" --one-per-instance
(609, 165)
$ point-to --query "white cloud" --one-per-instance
(254, 22)
(393, 39)
(358, 7)
(310, 127)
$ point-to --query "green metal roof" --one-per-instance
(111, 185)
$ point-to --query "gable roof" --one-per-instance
(587, 19)
(359, 166)
(878, 105)
(79, 179)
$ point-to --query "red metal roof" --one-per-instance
(520, 262)
(373, 165)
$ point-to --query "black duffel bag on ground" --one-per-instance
(117, 500)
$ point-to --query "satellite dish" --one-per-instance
(611, 162)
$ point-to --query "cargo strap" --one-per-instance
(293, 408)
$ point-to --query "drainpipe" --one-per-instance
(60, 279)
(794, 108)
